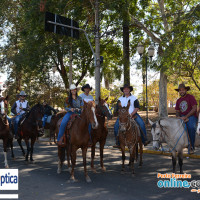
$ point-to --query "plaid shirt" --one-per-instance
(77, 103)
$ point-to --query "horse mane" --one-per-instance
(37, 105)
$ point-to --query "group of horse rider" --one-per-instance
(186, 109)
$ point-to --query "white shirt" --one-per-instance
(21, 105)
(86, 98)
(124, 102)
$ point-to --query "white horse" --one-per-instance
(173, 131)
(198, 126)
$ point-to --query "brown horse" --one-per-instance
(79, 136)
(4, 129)
(52, 125)
(29, 129)
(100, 134)
(129, 135)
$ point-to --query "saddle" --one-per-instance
(72, 119)
(66, 135)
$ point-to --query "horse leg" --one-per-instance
(5, 141)
(180, 161)
(93, 155)
(73, 160)
(123, 157)
(132, 157)
(31, 149)
(84, 152)
(61, 157)
(28, 149)
(102, 144)
(11, 146)
(174, 161)
(68, 154)
(141, 152)
(20, 144)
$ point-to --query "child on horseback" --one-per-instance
(134, 107)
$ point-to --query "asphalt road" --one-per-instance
(40, 181)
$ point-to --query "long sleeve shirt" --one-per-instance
(76, 103)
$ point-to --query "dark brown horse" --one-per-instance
(4, 129)
(52, 125)
(29, 129)
(129, 135)
(79, 136)
(100, 134)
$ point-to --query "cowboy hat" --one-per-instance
(22, 93)
(73, 87)
(86, 86)
(182, 85)
(126, 86)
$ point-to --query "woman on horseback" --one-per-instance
(73, 104)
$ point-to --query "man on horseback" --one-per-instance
(19, 108)
(73, 105)
(186, 109)
(86, 95)
(47, 113)
(133, 109)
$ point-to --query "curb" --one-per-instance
(167, 153)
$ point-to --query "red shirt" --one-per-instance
(184, 104)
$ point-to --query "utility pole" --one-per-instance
(70, 65)
(97, 52)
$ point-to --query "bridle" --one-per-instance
(126, 124)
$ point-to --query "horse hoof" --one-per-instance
(140, 166)
(32, 161)
(122, 172)
(7, 166)
(14, 158)
(73, 180)
(88, 180)
(58, 171)
(133, 175)
(103, 169)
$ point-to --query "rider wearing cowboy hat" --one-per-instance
(134, 107)
(86, 95)
(19, 108)
(186, 109)
(73, 102)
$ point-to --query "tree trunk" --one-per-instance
(126, 59)
(163, 95)
(107, 85)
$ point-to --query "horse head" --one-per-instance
(156, 131)
(90, 110)
(3, 105)
(198, 126)
(104, 108)
(36, 112)
(123, 116)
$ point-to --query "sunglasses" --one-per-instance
(22, 96)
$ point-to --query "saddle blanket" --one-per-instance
(48, 119)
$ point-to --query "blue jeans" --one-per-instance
(63, 124)
(140, 122)
(16, 123)
(191, 126)
(44, 120)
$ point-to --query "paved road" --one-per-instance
(40, 180)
